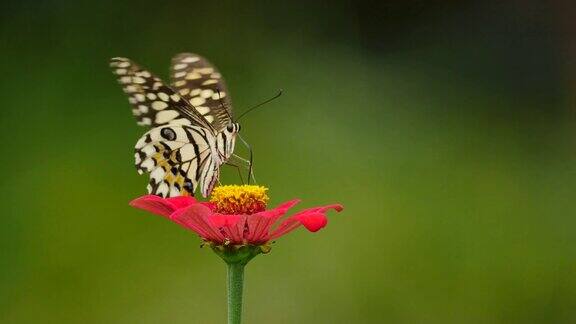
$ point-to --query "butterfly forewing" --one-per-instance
(153, 103)
(200, 83)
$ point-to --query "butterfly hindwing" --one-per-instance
(178, 158)
(153, 103)
(200, 83)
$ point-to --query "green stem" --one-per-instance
(235, 286)
(236, 257)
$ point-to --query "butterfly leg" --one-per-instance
(247, 165)
(250, 161)
(238, 169)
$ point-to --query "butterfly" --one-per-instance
(192, 129)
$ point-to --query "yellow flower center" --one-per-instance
(235, 199)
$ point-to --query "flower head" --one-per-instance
(235, 216)
(234, 199)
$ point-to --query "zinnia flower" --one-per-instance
(235, 215)
(237, 226)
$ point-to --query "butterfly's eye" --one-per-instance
(230, 128)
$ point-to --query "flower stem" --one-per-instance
(236, 257)
(235, 287)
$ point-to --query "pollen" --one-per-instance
(239, 200)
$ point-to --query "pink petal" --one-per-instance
(154, 204)
(313, 219)
(182, 201)
(220, 220)
(259, 224)
(197, 218)
(281, 209)
(275, 213)
(235, 232)
(322, 209)
(208, 204)
(287, 226)
(259, 228)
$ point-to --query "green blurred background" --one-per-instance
(446, 128)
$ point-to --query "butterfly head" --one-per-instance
(226, 139)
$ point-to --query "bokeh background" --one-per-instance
(446, 128)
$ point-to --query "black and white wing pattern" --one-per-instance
(178, 158)
(180, 151)
(200, 83)
(153, 103)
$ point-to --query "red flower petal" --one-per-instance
(282, 208)
(208, 204)
(182, 201)
(197, 218)
(259, 224)
(219, 220)
(236, 229)
(313, 219)
(154, 204)
(231, 226)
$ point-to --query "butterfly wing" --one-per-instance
(154, 103)
(178, 158)
(200, 83)
(180, 152)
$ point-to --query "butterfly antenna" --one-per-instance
(261, 104)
